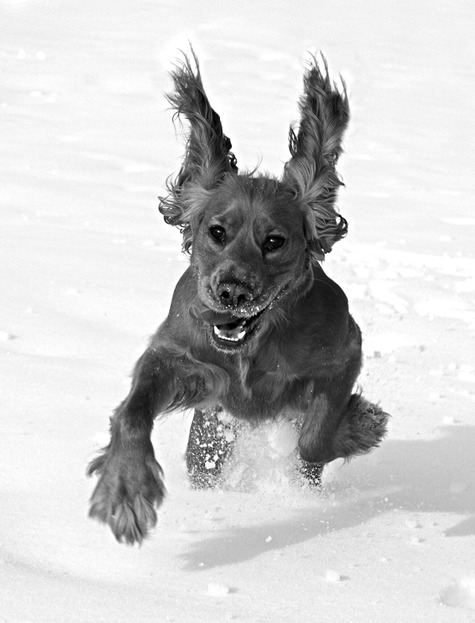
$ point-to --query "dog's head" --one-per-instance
(253, 238)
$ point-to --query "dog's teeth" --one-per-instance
(224, 336)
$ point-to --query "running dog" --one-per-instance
(256, 330)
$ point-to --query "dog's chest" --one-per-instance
(285, 376)
(261, 390)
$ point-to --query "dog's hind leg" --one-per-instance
(211, 440)
(311, 472)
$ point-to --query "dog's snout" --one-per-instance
(233, 294)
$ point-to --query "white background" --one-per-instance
(87, 268)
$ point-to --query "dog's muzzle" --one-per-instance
(230, 330)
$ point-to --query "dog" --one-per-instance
(256, 329)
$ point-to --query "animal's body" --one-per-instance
(256, 329)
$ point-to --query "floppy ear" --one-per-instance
(207, 158)
(315, 149)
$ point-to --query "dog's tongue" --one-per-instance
(218, 318)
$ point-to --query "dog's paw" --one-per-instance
(127, 494)
(363, 428)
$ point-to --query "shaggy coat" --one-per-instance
(256, 330)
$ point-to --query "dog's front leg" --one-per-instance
(341, 429)
(130, 484)
(318, 430)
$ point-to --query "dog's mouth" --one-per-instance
(228, 331)
(234, 334)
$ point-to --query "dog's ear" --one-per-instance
(315, 148)
(208, 154)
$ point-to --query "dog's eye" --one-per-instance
(273, 242)
(218, 233)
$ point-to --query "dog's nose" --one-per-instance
(233, 294)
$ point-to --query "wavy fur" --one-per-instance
(315, 150)
(310, 173)
(208, 151)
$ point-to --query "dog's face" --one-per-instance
(252, 238)
(249, 249)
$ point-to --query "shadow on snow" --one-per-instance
(412, 475)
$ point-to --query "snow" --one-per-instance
(218, 590)
(87, 268)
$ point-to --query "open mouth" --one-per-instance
(229, 332)
(235, 333)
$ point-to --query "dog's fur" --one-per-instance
(256, 330)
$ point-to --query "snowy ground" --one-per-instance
(87, 268)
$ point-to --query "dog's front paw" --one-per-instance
(127, 493)
(362, 428)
